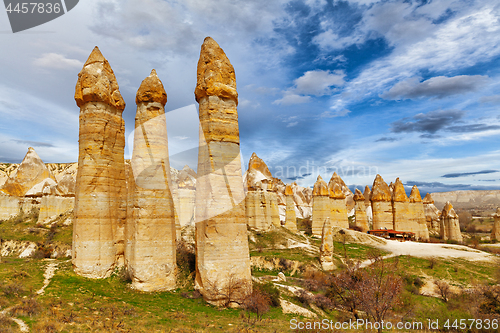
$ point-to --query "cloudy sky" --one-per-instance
(407, 89)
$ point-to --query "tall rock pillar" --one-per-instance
(326, 249)
(401, 209)
(450, 227)
(381, 205)
(100, 194)
(417, 214)
(290, 214)
(432, 214)
(321, 206)
(152, 235)
(222, 253)
(495, 232)
(360, 211)
(338, 205)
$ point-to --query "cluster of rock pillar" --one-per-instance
(124, 212)
(393, 209)
(449, 227)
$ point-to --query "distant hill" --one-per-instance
(481, 200)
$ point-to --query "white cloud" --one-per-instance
(290, 99)
(318, 82)
(334, 114)
(57, 61)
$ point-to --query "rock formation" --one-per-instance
(432, 214)
(449, 225)
(338, 206)
(495, 232)
(151, 232)
(417, 214)
(326, 249)
(100, 205)
(321, 206)
(9, 206)
(368, 204)
(360, 211)
(291, 217)
(185, 196)
(381, 205)
(261, 200)
(403, 219)
(30, 172)
(222, 253)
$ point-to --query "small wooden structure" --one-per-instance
(401, 236)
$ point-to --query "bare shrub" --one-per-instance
(443, 289)
(5, 325)
(323, 302)
(47, 326)
(28, 307)
(432, 262)
(257, 302)
(304, 297)
(185, 256)
(491, 299)
(270, 290)
(13, 289)
(314, 279)
(233, 290)
(464, 219)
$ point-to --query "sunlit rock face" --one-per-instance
(432, 214)
(151, 231)
(291, 217)
(361, 219)
(495, 232)
(321, 206)
(338, 201)
(403, 220)
(326, 249)
(449, 224)
(381, 204)
(417, 214)
(100, 192)
(222, 253)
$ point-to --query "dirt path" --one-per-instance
(48, 275)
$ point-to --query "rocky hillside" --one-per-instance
(479, 200)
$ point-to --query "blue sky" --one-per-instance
(407, 89)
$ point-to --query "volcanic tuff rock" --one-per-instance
(321, 206)
(360, 211)
(349, 201)
(151, 231)
(495, 232)
(449, 225)
(403, 219)
(222, 253)
(30, 172)
(100, 195)
(417, 214)
(479, 200)
(261, 200)
(338, 208)
(432, 214)
(291, 217)
(381, 204)
(326, 249)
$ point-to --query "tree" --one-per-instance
(379, 290)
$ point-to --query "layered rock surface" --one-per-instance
(321, 206)
(291, 217)
(326, 249)
(338, 202)
(403, 218)
(381, 204)
(449, 224)
(100, 195)
(151, 230)
(417, 214)
(432, 214)
(360, 211)
(222, 253)
(495, 232)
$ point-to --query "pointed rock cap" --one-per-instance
(320, 187)
(415, 194)
(256, 163)
(97, 83)
(336, 192)
(30, 172)
(448, 211)
(216, 75)
(428, 199)
(336, 179)
(151, 90)
(288, 190)
(380, 190)
(399, 193)
(358, 196)
(367, 193)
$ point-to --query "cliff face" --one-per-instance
(487, 200)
